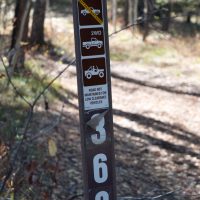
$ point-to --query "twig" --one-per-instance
(12, 84)
(47, 130)
(29, 118)
(52, 81)
(148, 198)
(142, 21)
(15, 152)
(133, 198)
(75, 196)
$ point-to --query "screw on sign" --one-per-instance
(95, 102)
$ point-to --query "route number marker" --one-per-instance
(95, 102)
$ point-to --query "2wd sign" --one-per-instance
(94, 89)
(92, 41)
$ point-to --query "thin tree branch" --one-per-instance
(76, 196)
(159, 197)
(13, 85)
(15, 152)
(47, 130)
(141, 21)
(52, 81)
(29, 119)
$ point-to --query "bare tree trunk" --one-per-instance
(189, 17)
(37, 34)
(197, 15)
(146, 22)
(19, 11)
(166, 18)
(126, 13)
(16, 58)
(114, 14)
(148, 16)
(135, 11)
(26, 27)
(130, 11)
(140, 13)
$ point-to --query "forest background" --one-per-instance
(157, 43)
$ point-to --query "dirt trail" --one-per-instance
(157, 137)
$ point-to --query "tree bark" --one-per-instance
(37, 34)
(114, 14)
(130, 11)
(147, 16)
(135, 11)
(19, 11)
(16, 56)
(166, 16)
(189, 17)
(126, 13)
(146, 22)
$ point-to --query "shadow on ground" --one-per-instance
(155, 86)
(138, 169)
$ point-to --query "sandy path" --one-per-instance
(157, 135)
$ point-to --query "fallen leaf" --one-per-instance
(52, 147)
(2, 76)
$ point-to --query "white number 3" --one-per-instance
(101, 138)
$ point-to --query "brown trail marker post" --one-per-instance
(95, 102)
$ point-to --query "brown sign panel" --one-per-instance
(92, 41)
(85, 18)
(94, 71)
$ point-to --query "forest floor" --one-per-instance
(156, 124)
(156, 106)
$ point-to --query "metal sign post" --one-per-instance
(95, 102)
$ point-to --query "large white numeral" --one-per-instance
(100, 168)
(99, 161)
(102, 196)
(101, 137)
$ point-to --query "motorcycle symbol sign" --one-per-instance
(94, 71)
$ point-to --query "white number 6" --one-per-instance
(102, 196)
(100, 168)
